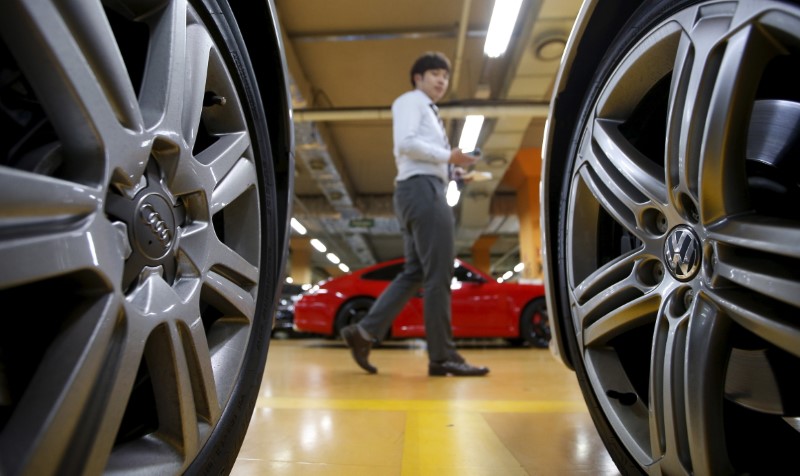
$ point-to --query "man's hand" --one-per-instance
(458, 174)
(458, 157)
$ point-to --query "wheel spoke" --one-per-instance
(162, 96)
(212, 165)
(722, 178)
(617, 204)
(79, 389)
(754, 233)
(687, 382)
(240, 179)
(229, 297)
(707, 353)
(225, 154)
(207, 386)
(631, 315)
(175, 398)
(70, 56)
(617, 273)
(765, 318)
(696, 65)
(97, 248)
(637, 170)
(26, 206)
(752, 253)
(625, 170)
(201, 246)
(233, 266)
(176, 354)
(198, 48)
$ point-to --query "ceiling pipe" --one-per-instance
(442, 33)
(446, 111)
(462, 36)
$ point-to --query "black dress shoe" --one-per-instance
(359, 347)
(452, 367)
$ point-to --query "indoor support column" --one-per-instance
(481, 253)
(526, 172)
(300, 259)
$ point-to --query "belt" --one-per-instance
(422, 175)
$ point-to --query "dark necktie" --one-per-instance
(441, 124)
(444, 138)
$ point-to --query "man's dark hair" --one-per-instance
(428, 61)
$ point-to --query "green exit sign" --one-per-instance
(362, 223)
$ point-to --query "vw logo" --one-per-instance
(683, 253)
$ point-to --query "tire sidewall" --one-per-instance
(219, 452)
(342, 318)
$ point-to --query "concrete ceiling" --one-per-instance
(349, 59)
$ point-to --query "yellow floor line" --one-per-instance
(483, 406)
(463, 444)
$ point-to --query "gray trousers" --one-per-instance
(428, 238)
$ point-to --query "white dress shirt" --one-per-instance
(420, 141)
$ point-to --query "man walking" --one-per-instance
(423, 157)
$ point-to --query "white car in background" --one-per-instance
(672, 231)
(144, 189)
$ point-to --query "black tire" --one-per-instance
(352, 312)
(534, 327)
(158, 282)
(219, 453)
(694, 354)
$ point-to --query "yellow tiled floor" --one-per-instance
(319, 414)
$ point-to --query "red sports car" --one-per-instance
(481, 306)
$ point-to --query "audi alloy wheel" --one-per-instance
(138, 241)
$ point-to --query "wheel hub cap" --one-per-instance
(153, 220)
(683, 253)
(155, 228)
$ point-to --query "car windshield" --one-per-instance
(388, 273)
(464, 274)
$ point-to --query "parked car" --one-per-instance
(481, 306)
(671, 232)
(283, 325)
(145, 171)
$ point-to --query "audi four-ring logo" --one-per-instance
(683, 253)
(158, 227)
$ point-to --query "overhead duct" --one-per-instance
(371, 206)
(312, 151)
(459, 110)
(377, 219)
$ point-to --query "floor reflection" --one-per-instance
(318, 413)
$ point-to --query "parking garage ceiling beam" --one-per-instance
(488, 108)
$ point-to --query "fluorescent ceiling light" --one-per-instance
(470, 133)
(333, 258)
(504, 17)
(519, 267)
(318, 245)
(298, 227)
(289, 279)
(344, 268)
(452, 194)
(507, 275)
